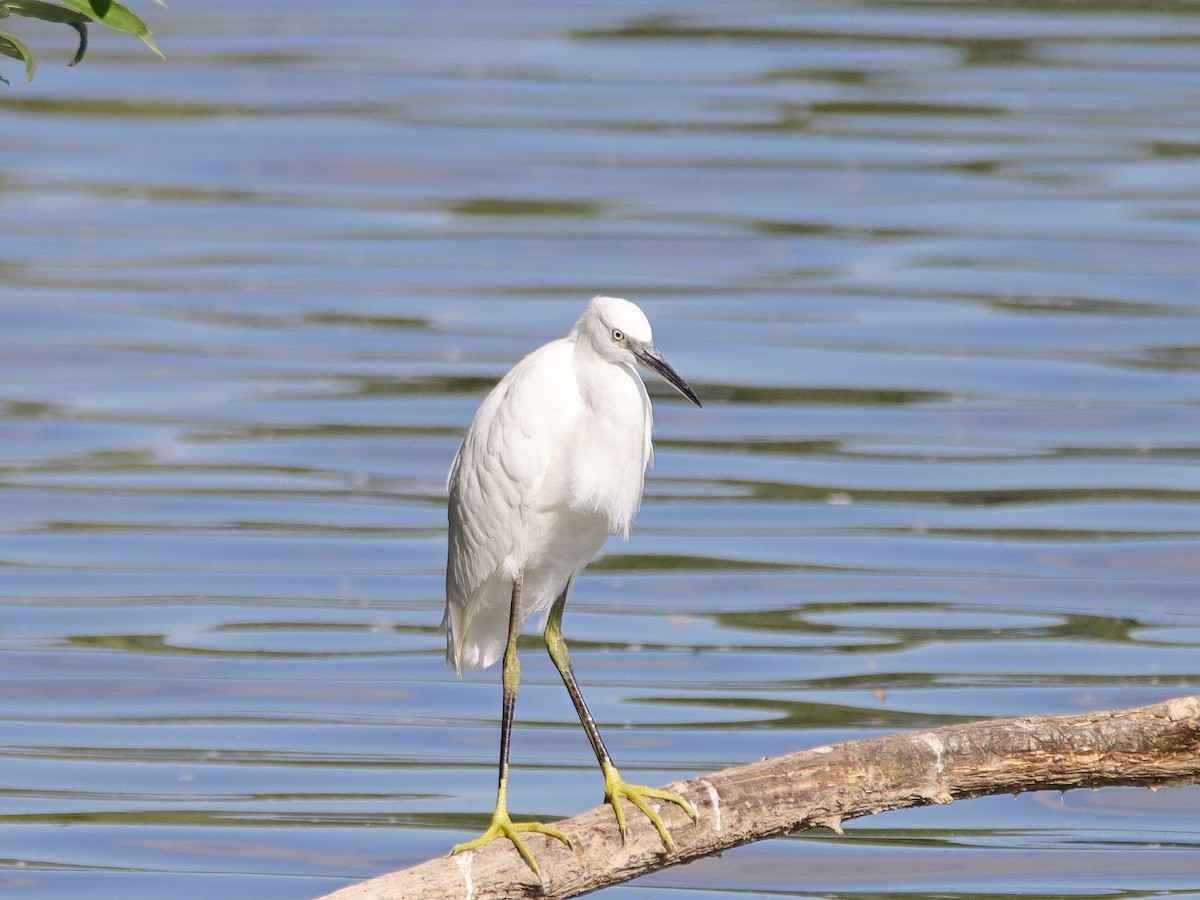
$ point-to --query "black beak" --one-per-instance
(652, 360)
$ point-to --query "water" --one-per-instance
(932, 266)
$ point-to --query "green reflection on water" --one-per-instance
(776, 490)
(112, 107)
(801, 714)
(896, 108)
(664, 562)
(237, 817)
(816, 396)
(502, 206)
(1057, 627)
(160, 644)
(367, 321)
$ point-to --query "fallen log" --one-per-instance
(1149, 746)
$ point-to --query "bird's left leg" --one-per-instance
(502, 825)
(615, 787)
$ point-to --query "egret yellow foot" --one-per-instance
(616, 787)
(503, 826)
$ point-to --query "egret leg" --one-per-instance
(615, 787)
(502, 825)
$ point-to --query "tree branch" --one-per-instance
(1147, 746)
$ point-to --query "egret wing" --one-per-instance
(493, 486)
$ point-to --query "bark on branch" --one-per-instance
(1148, 746)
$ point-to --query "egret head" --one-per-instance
(620, 333)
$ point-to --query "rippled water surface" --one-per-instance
(932, 267)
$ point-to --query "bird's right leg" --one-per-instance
(502, 825)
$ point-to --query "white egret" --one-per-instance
(553, 463)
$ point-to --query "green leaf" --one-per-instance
(81, 27)
(47, 12)
(116, 17)
(15, 48)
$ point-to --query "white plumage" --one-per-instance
(552, 463)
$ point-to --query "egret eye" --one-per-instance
(618, 335)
